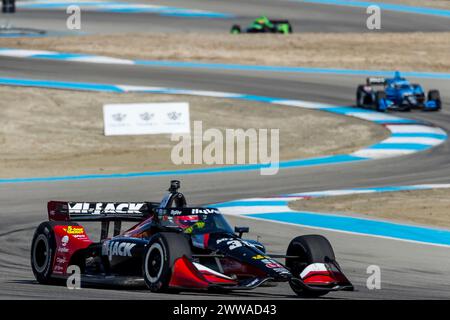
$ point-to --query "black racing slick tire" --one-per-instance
(43, 249)
(360, 96)
(308, 249)
(436, 96)
(160, 254)
(236, 29)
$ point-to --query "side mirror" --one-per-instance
(241, 230)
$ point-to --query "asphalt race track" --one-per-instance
(409, 270)
(305, 17)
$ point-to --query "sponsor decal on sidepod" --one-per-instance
(115, 248)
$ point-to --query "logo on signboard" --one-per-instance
(119, 117)
(174, 115)
(146, 116)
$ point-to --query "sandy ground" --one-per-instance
(441, 4)
(52, 132)
(353, 51)
(425, 207)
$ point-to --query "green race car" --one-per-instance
(264, 25)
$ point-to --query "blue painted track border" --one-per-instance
(286, 69)
(123, 7)
(276, 209)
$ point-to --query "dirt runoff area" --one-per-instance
(49, 132)
(411, 52)
(425, 207)
(439, 4)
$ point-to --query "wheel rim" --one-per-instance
(41, 254)
(154, 262)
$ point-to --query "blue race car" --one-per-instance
(396, 93)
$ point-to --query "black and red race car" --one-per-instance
(173, 247)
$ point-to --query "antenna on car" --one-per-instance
(174, 186)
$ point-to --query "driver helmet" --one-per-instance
(185, 221)
(262, 20)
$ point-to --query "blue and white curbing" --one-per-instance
(407, 136)
(88, 58)
(53, 55)
(276, 209)
(118, 7)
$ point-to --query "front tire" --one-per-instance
(310, 249)
(160, 255)
(291, 30)
(436, 96)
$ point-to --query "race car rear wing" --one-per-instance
(375, 81)
(100, 211)
(104, 212)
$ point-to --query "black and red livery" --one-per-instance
(173, 247)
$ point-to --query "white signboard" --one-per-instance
(146, 118)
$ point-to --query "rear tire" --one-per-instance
(43, 248)
(236, 29)
(436, 96)
(159, 257)
(310, 249)
(360, 96)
